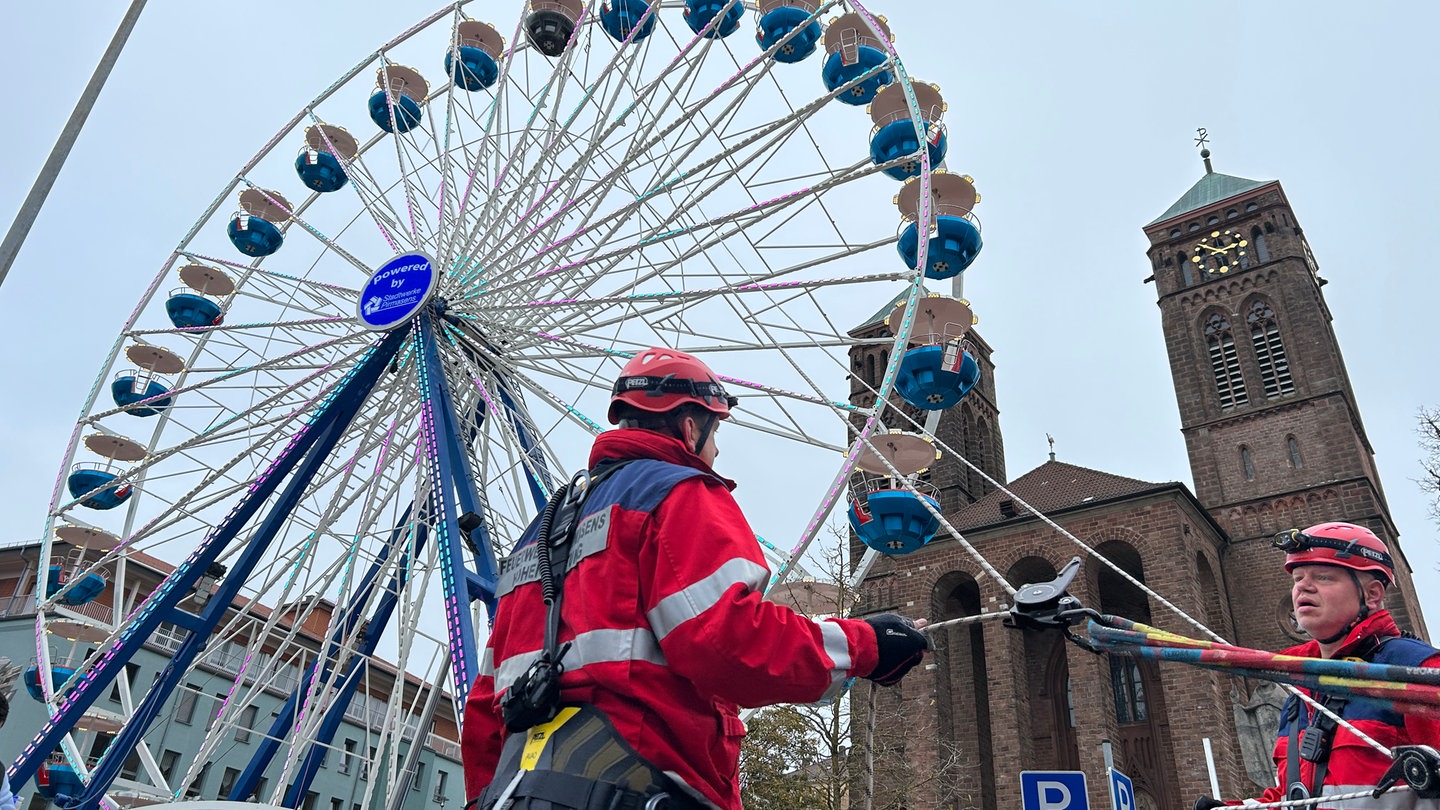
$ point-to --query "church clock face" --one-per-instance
(1220, 251)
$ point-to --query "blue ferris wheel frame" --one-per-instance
(466, 577)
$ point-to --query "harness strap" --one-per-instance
(1318, 739)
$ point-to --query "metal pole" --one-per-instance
(30, 209)
(1210, 764)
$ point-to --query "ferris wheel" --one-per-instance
(370, 361)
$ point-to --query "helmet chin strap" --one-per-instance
(705, 432)
(1359, 617)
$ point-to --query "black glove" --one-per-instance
(901, 647)
(1207, 803)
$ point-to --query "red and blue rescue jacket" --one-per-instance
(662, 602)
(1354, 764)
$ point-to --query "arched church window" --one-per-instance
(1213, 220)
(1187, 275)
(1225, 362)
(1258, 240)
(1292, 448)
(1247, 463)
(1269, 227)
(1129, 690)
(870, 369)
(1269, 350)
(1252, 207)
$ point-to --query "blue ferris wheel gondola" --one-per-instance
(894, 521)
(897, 139)
(131, 387)
(407, 112)
(58, 676)
(320, 171)
(699, 13)
(953, 248)
(254, 236)
(936, 377)
(837, 73)
(474, 70)
(190, 310)
(89, 586)
(321, 164)
(620, 17)
(89, 478)
(854, 50)
(399, 90)
(778, 22)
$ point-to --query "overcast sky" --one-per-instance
(1076, 120)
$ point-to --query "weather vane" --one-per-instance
(1051, 440)
(1203, 137)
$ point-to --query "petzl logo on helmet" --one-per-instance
(396, 291)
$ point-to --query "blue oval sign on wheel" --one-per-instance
(397, 291)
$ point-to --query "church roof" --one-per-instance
(1210, 189)
(884, 312)
(1051, 487)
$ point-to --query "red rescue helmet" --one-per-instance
(1343, 544)
(659, 380)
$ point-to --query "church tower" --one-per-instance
(1270, 421)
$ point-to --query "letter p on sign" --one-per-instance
(1054, 790)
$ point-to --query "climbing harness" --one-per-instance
(560, 757)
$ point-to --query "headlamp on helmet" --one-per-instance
(1341, 544)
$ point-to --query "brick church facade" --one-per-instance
(1275, 440)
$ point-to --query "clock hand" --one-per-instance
(1211, 249)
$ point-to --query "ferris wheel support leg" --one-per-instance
(305, 455)
(449, 466)
(280, 727)
(539, 478)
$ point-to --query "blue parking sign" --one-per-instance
(1053, 790)
(1122, 791)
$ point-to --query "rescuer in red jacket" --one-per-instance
(668, 634)
(1339, 573)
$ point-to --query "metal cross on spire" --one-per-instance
(1202, 138)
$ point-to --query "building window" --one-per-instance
(1194, 226)
(192, 791)
(310, 798)
(1129, 690)
(1252, 207)
(227, 782)
(1225, 362)
(1262, 253)
(1247, 464)
(1185, 274)
(1213, 220)
(870, 370)
(440, 778)
(1231, 214)
(216, 708)
(185, 705)
(365, 764)
(1269, 350)
(1174, 232)
(419, 776)
(247, 722)
(131, 670)
(1292, 447)
(337, 804)
(168, 761)
(349, 756)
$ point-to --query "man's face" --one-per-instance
(1325, 599)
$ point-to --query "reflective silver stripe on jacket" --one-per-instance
(594, 647)
(837, 646)
(684, 605)
(523, 567)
